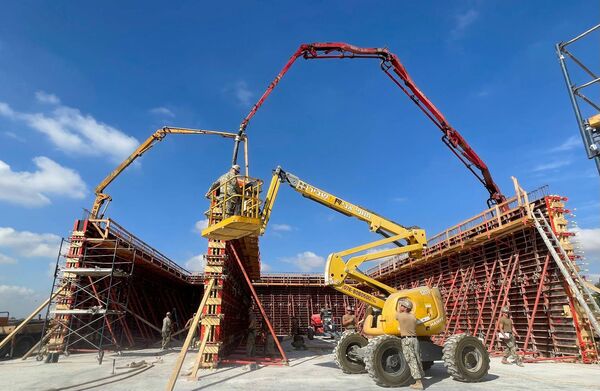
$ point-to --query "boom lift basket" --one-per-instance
(234, 215)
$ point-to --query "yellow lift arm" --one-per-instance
(102, 198)
(409, 240)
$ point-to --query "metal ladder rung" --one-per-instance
(567, 269)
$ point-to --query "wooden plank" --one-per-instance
(188, 339)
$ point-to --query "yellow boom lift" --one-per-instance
(381, 356)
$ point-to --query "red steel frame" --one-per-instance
(478, 266)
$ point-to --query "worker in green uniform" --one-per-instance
(349, 320)
(507, 338)
(228, 191)
(407, 325)
(166, 330)
(251, 339)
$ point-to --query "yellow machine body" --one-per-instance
(428, 309)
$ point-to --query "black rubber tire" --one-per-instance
(426, 364)
(385, 362)
(23, 345)
(465, 358)
(348, 341)
(310, 334)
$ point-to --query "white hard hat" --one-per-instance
(406, 304)
(236, 167)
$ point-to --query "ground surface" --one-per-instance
(313, 369)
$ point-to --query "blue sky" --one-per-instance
(81, 84)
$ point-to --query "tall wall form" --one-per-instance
(492, 260)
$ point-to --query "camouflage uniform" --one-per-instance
(412, 355)
(510, 345)
(166, 332)
(251, 340)
(228, 186)
(510, 348)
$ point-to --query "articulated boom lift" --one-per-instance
(337, 271)
(381, 356)
(392, 67)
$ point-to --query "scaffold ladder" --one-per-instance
(568, 269)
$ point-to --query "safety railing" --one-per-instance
(155, 256)
(513, 209)
(235, 196)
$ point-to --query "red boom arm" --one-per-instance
(391, 65)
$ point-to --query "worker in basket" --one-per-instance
(228, 190)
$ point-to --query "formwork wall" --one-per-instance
(115, 292)
(492, 260)
(287, 296)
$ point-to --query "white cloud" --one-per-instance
(44, 97)
(200, 225)
(75, 133)
(14, 136)
(551, 166)
(29, 244)
(5, 259)
(306, 261)
(240, 92)
(569, 144)
(400, 199)
(265, 267)
(281, 227)
(33, 188)
(196, 263)
(462, 22)
(162, 111)
(6, 111)
(18, 300)
(589, 240)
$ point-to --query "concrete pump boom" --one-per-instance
(391, 66)
(102, 198)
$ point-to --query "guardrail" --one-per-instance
(513, 209)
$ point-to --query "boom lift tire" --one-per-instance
(465, 358)
(385, 362)
(346, 352)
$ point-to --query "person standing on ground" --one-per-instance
(407, 326)
(251, 340)
(188, 324)
(507, 338)
(228, 191)
(167, 329)
(349, 320)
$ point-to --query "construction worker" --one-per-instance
(407, 325)
(251, 339)
(188, 324)
(349, 320)
(269, 348)
(167, 329)
(297, 339)
(507, 338)
(228, 191)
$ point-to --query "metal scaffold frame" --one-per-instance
(95, 282)
(589, 128)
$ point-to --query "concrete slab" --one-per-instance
(313, 369)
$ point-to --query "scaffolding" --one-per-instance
(95, 283)
(103, 295)
(579, 78)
